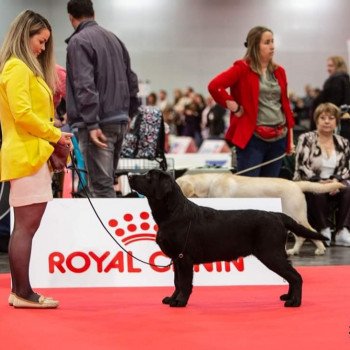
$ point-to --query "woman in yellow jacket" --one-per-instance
(27, 79)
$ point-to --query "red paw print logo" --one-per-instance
(132, 232)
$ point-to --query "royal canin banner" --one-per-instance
(73, 249)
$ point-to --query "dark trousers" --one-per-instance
(4, 232)
(259, 151)
(4, 210)
(320, 207)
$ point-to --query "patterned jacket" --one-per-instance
(308, 158)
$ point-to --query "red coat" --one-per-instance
(244, 89)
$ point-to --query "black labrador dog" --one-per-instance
(191, 234)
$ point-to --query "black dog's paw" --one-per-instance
(167, 300)
(285, 297)
(177, 303)
(293, 302)
(173, 302)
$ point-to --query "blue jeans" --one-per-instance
(258, 151)
(101, 164)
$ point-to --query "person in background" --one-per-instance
(324, 156)
(336, 88)
(59, 97)
(60, 91)
(193, 116)
(216, 121)
(261, 119)
(178, 109)
(151, 99)
(27, 82)
(163, 102)
(308, 102)
(101, 95)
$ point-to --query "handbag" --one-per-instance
(270, 132)
(59, 157)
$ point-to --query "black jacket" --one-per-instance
(336, 89)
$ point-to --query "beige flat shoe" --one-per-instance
(13, 295)
(11, 298)
(42, 303)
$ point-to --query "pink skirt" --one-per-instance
(31, 189)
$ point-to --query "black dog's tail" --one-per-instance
(298, 229)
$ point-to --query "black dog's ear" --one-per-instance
(165, 185)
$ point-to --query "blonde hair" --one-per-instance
(327, 108)
(339, 63)
(252, 55)
(17, 44)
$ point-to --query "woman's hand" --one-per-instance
(65, 139)
(291, 148)
(235, 107)
(329, 181)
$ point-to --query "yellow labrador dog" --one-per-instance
(227, 185)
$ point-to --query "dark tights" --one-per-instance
(26, 222)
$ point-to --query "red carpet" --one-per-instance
(246, 317)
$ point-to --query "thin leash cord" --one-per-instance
(181, 255)
(260, 165)
(74, 168)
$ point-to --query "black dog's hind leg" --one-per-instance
(283, 268)
(183, 283)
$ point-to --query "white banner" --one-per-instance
(72, 249)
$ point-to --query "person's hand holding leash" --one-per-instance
(98, 138)
(65, 139)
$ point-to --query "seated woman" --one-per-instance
(323, 156)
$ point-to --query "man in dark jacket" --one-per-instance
(101, 95)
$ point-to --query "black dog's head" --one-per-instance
(155, 184)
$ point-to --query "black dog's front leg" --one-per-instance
(183, 283)
(169, 300)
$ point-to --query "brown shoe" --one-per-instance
(42, 303)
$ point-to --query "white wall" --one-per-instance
(10, 8)
(179, 43)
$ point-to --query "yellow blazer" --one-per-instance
(26, 114)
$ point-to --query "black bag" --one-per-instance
(59, 157)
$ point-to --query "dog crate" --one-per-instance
(138, 166)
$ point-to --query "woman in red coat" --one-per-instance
(261, 120)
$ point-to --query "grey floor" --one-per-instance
(334, 256)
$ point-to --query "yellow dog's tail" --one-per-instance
(317, 187)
